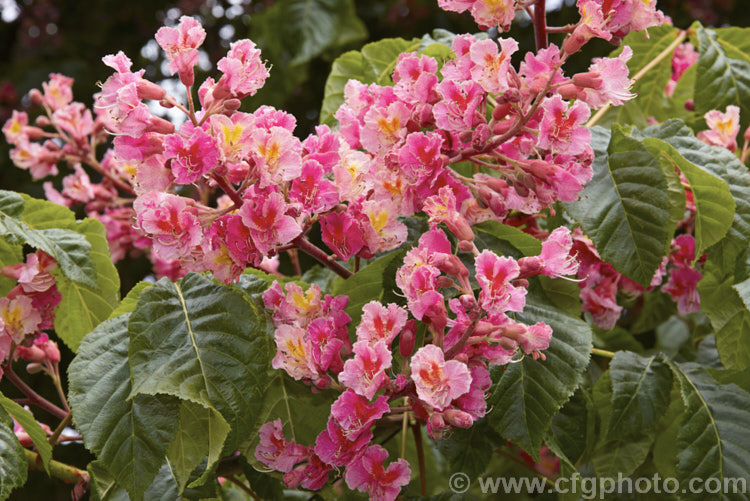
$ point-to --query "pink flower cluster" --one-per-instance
(28, 309)
(443, 383)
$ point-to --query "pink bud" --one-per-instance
(437, 422)
(746, 135)
(159, 125)
(468, 302)
(149, 90)
(501, 111)
(570, 92)
(36, 97)
(52, 352)
(443, 282)
(590, 79)
(43, 121)
(458, 418)
(690, 105)
(407, 339)
(575, 41)
(33, 368)
(501, 128)
(232, 104)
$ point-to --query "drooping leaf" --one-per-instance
(714, 436)
(31, 427)
(573, 428)
(526, 395)
(622, 457)
(201, 433)
(129, 302)
(13, 465)
(367, 284)
(130, 436)
(721, 79)
(202, 342)
(82, 306)
(373, 64)
(469, 450)
(713, 201)
(640, 395)
(102, 485)
(665, 446)
(625, 208)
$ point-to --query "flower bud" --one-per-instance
(159, 125)
(501, 111)
(407, 339)
(570, 92)
(690, 105)
(458, 418)
(502, 127)
(36, 97)
(149, 90)
(746, 135)
(33, 368)
(590, 79)
(43, 121)
(232, 104)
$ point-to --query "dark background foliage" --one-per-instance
(39, 37)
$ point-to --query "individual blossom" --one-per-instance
(168, 219)
(244, 72)
(441, 208)
(438, 382)
(561, 129)
(274, 451)
(555, 260)
(355, 413)
(682, 286)
(384, 127)
(264, 214)
(337, 448)
(365, 373)
(367, 474)
(684, 57)
(294, 353)
(33, 275)
(18, 317)
(311, 189)
(58, 91)
(193, 154)
(457, 109)
(723, 128)
(495, 275)
(382, 229)
(381, 323)
(342, 233)
(181, 46)
(606, 82)
(277, 155)
(601, 302)
(492, 68)
(311, 475)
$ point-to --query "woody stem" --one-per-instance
(540, 25)
(317, 253)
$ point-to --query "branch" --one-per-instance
(540, 25)
(306, 246)
(64, 472)
(34, 397)
(417, 429)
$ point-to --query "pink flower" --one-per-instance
(365, 373)
(342, 234)
(264, 214)
(384, 127)
(192, 156)
(723, 128)
(274, 451)
(438, 382)
(41, 351)
(33, 275)
(556, 258)
(181, 45)
(441, 208)
(415, 78)
(457, 109)
(77, 186)
(367, 474)
(382, 229)
(354, 413)
(561, 129)
(420, 157)
(58, 92)
(76, 120)
(277, 154)
(606, 81)
(232, 134)
(380, 323)
(15, 126)
(493, 13)
(312, 475)
(18, 317)
(294, 353)
(244, 72)
(492, 69)
(494, 275)
(601, 302)
(171, 223)
(312, 190)
(337, 448)
(536, 69)
(683, 287)
(684, 57)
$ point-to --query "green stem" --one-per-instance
(417, 429)
(56, 434)
(602, 353)
(64, 472)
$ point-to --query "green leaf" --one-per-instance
(130, 436)
(9, 254)
(714, 436)
(373, 64)
(28, 423)
(303, 414)
(721, 80)
(129, 302)
(263, 484)
(640, 395)
(71, 250)
(525, 243)
(201, 432)
(13, 465)
(202, 342)
(83, 307)
(665, 446)
(102, 485)
(721, 163)
(573, 428)
(713, 200)
(625, 209)
(526, 395)
(469, 450)
(726, 309)
(368, 284)
(165, 486)
(622, 457)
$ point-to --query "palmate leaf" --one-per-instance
(13, 465)
(714, 435)
(640, 393)
(626, 208)
(31, 427)
(130, 436)
(202, 342)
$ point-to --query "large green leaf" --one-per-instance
(13, 465)
(625, 208)
(31, 427)
(373, 64)
(713, 200)
(622, 457)
(723, 75)
(526, 395)
(573, 429)
(71, 250)
(714, 436)
(129, 435)
(9, 254)
(129, 302)
(82, 306)
(640, 393)
(202, 342)
(469, 450)
(368, 284)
